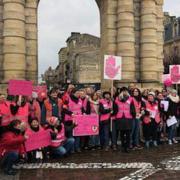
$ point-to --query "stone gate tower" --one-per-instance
(132, 29)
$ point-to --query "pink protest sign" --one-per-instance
(165, 77)
(175, 74)
(38, 140)
(112, 67)
(40, 90)
(87, 125)
(20, 87)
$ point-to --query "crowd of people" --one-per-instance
(129, 119)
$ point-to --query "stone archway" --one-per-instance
(132, 29)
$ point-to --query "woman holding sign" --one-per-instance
(173, 99)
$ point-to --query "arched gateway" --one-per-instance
(132, 29)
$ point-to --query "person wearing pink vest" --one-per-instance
(19, 109)
(4, 111)
(124, 117)
(105, 109)
(34, 107)
(151, 120)
(93, 109)
(71, 108)
(139, 107)
(60, 144)
(33, 128)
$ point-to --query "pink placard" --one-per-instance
(40, 89)
(20, 87)
(165, 77)
(38, 140)
(175, 74)
(87, 125)
(112, 67)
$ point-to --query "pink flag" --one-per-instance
(87, 125)
(38, 140)
(20, 87)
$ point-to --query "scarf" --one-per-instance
(174, 99)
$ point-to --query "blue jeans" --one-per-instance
(77, 144)
(171, 132)
(94, 141)
(104, 134)
(115, 133)
(135, 132)
(66, 148)
(9, 160)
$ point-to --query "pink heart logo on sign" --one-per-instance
(175, 74)
(111, 70)
(94, 128)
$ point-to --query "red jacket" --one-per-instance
(11, 142)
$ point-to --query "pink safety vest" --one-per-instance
(59, 139)
(154, 113)
(75, 108)
(106, 105)
(5, 113)
(124, 109)
(22, 113)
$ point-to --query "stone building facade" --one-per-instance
(171, 40)
(132, 29)
(79, 62)
(18, 40)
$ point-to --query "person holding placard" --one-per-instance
(151, 120)
(34, 127)
(172, 112)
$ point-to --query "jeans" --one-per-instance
(66, 148)
(104, 134)
(77, 143)
(94, 141)
(171, 132)
(135, 132)
(125, 138)
(114, 133)
(9, 160)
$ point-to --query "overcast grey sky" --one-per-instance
(58, 18)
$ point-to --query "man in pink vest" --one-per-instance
(105, 109)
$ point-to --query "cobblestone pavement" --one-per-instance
(157, 163)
